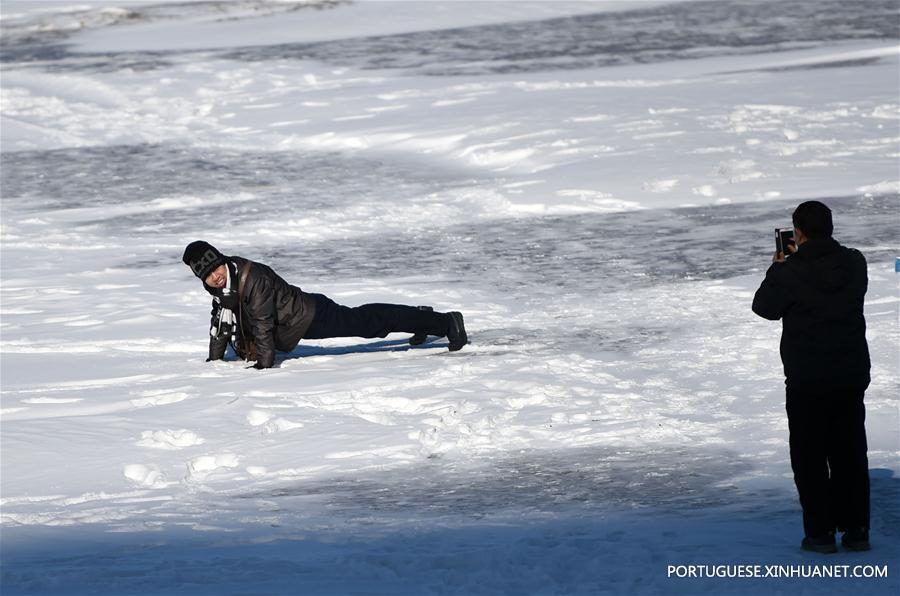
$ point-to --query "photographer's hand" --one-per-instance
(778, 257)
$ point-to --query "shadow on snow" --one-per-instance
(576, 521)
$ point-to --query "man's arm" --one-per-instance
(863, 270)
(772, 299)
(216, 346)
(260, 317)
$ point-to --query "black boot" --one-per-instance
(456, 333)
(420, 337)
(820, 544)
(856, 539)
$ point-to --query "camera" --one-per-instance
(784, 237)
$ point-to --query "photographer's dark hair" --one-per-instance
(814, 218)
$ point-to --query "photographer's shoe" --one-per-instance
(857, 539)
(456, 333)
(420, 338)
(820, 544)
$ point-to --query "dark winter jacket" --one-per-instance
(273, 313)
(818, 293)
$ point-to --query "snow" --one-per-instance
(335, 20)
(603, 227)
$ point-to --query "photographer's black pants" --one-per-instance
(828, 456)
(372, 320)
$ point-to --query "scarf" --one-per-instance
(226, 300)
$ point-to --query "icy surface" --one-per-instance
(601, 213)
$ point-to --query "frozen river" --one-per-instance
(122, 191)
(648, 32)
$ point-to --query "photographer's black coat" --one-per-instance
(273, 313)
(818, 293)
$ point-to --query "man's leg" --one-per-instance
(807, 421)
(419, 337)
(847, 458)
(373, 320)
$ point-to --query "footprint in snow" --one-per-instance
(156, 398)
(269, 423)
(145, 476)
(169, 439)
(199, 467)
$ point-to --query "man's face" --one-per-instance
(217, 278)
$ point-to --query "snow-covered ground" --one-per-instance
(593, 184)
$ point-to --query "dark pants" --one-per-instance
(372, 320)
(828, 456)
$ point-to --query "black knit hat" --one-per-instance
(202, 257)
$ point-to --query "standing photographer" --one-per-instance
(818, 293)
